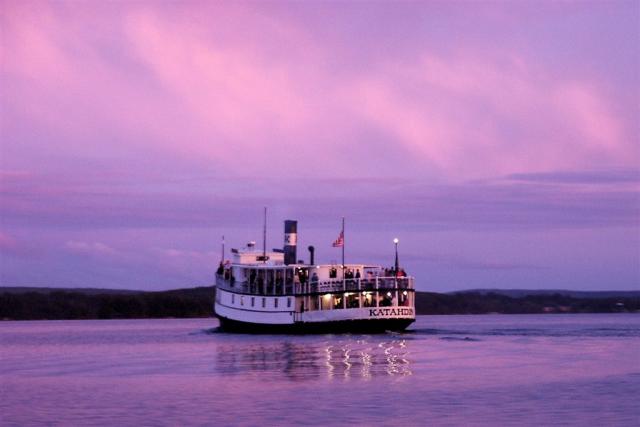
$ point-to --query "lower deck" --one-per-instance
(308, 313)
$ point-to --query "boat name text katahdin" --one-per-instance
(375, 312)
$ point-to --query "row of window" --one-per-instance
(264, 301)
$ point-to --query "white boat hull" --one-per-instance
(246, 312)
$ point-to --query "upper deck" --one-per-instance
(253, 273)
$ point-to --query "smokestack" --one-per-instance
(311, 253)
(290, 241)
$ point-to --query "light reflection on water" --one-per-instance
(308, 360)
(448, 370)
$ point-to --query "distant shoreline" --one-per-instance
(29, 303)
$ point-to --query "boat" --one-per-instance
(274, 292)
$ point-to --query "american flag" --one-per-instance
(339, 242)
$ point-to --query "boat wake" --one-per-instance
(554, 331)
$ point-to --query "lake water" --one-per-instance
(447, 370)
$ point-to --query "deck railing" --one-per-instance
(312, 287)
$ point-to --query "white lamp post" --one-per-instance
(395, 241)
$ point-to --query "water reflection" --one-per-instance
(354, 358)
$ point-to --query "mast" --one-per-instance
(343, 243)
(264, 237)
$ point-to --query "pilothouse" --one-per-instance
(260, 291)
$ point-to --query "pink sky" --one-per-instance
(500, 141)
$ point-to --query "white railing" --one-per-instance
(321, 286)
(352, 285)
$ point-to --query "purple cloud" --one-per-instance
(133, 135)
(585, 177)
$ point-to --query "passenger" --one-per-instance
(357, 274)
(296, 283)
(302, 276)
(386, 301)
(314, 278)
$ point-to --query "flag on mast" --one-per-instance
(339, 242)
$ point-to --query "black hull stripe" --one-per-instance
(333, 327)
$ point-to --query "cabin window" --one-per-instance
(337, 302)
(325, 303)
(253, 301)
(264, 302)
(367, 299)
(242, 300)
(352, 300)
(288, 302)
(233, 298)
(275, 302)
(404, 298)
(387, 300)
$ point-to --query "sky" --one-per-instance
(499, 141)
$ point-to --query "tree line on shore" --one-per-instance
(198, 302)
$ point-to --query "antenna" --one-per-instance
(222, 258)
(264, 237)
